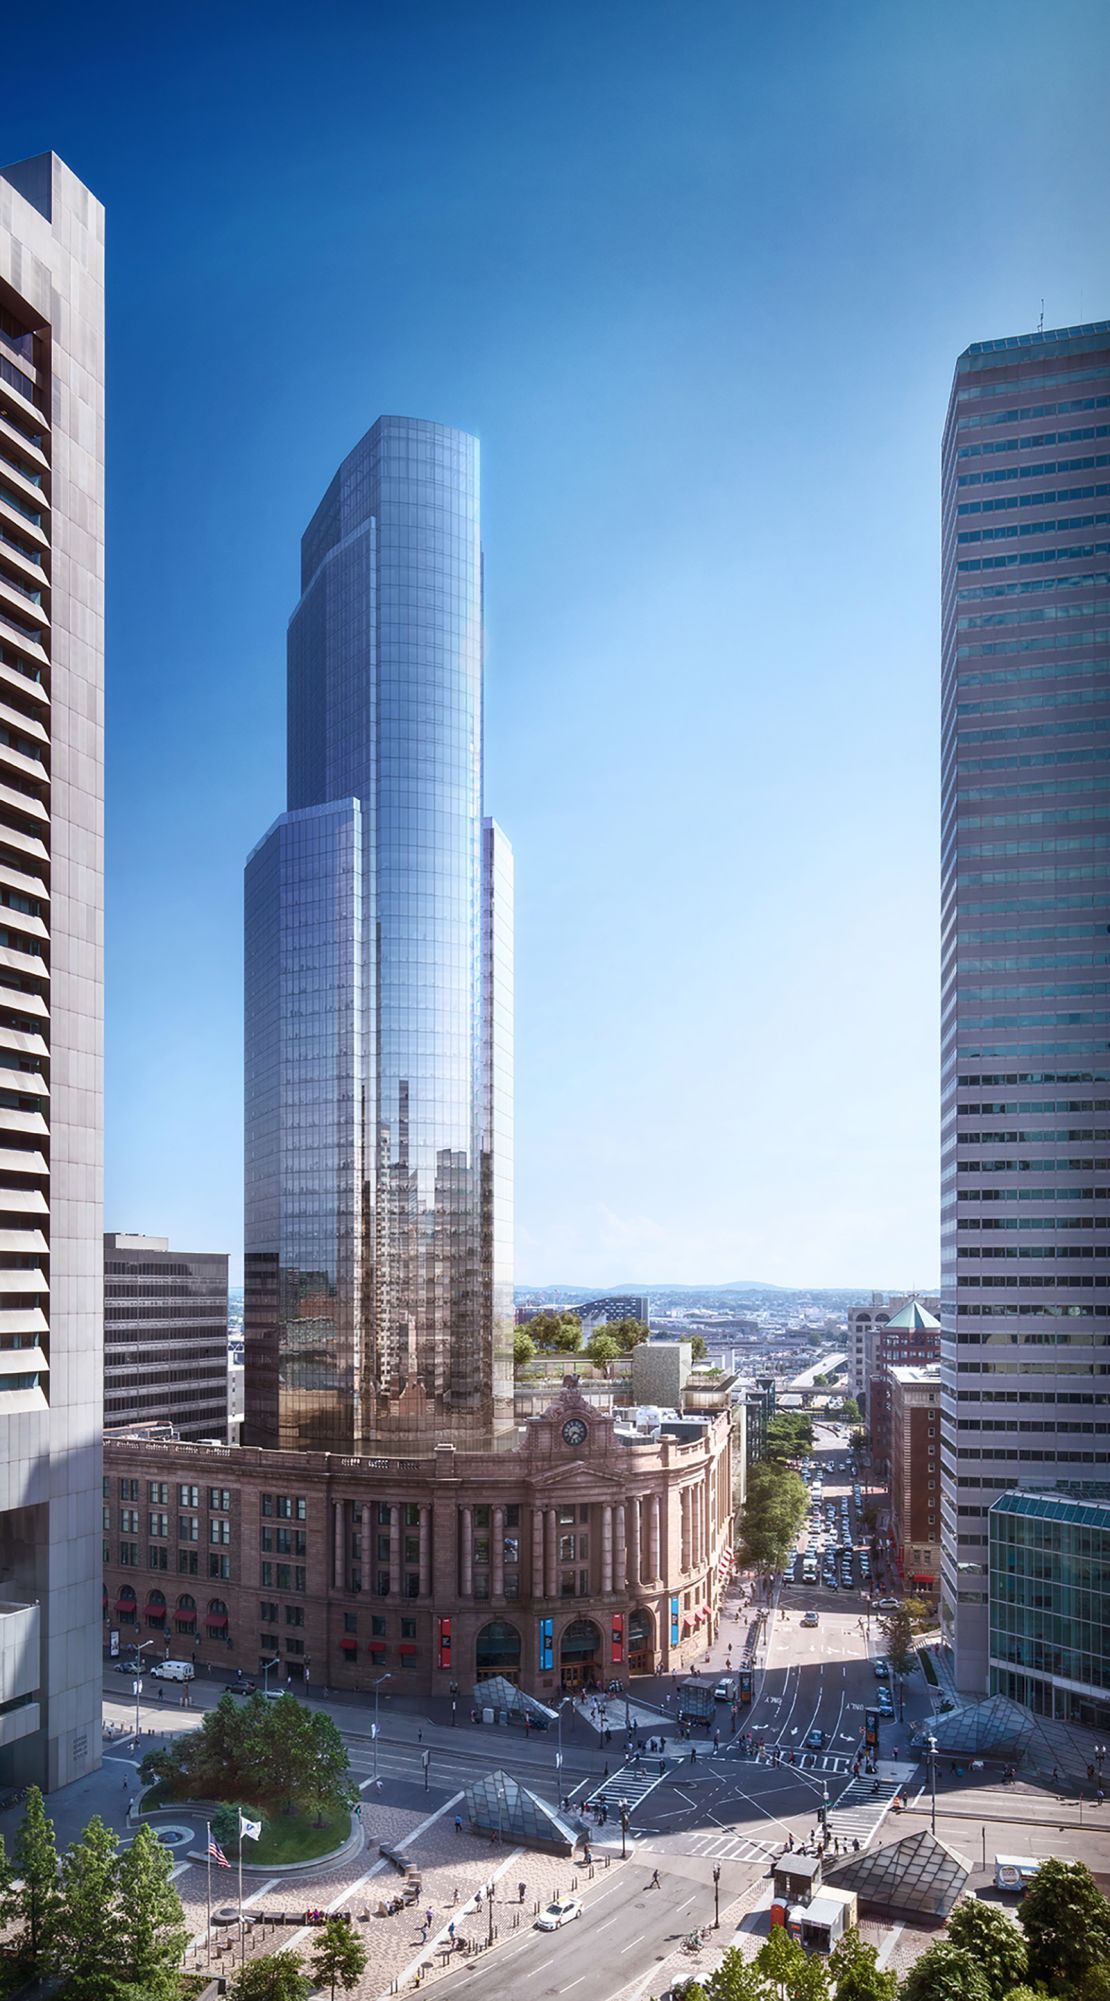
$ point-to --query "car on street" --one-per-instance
(882, 1672)
(125, 1667)
(559, 1913)
(890, 1604)
(815, 1741)
(723, 1690)
(809, 1618)
(886, 1706)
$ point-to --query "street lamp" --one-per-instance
(823, 1809)
(139, 1652)
(559, 1742)
(1100, 1753)
(624, 1830)
(717, 1897)
(266, 1666)
(931, 1747)
(454, 1701)
(387, 1676)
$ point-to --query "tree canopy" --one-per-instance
(602, 1349)
(276, 1976)
(856, 1973)
(1066, 1921)
(338, 1956)
(945, 1972)
(992, 1938)
(267, 1754)
(772, 1515)
(789, 1435)
(560, 1333)
(524, 1348)
(898, 1646)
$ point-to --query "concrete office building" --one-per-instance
(597, 1547)
(378, 1283)
(1025, 1309)
(165, 1337)
(51, 968)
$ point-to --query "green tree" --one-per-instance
(560, 1333)
(773, 1513)
(339, 1956)
(699, 1348)
(627, 1333)
(898, 1645)
(271, 1755)
(524, 1348)
(992, 1938)
(1066, 1921)
(153, 1932)
(945, 1972)
(87, 1930)
(736, 1979)
(276, 1976)
(788, 1970)
(602, 1349)
(856, 1973)
(850, 1412)
(35, 1863)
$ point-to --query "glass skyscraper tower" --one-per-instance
(1025, 1262)
(378, 1087)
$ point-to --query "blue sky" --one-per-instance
(697, 276)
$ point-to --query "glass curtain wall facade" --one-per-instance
(378, 984)
(1025, 1200)
(1050, 1605)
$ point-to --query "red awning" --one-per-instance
(349, 1644)
(408, 1647)
(375, 1646)
(155, 1611)
(185, 1618)
(687, 1625)
(216, 1619)
(126, 1605)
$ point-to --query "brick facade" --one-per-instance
(434, 1569)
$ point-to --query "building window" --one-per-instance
(350, 1622)
(267, 1504)
(266, 1574)
(129, 1520)
(291, 1542)
(294, 1646)
(383, 1514)
(219, 1499)
(412, 1549)
(188, 1562)
(412, 1515)
(356, 1580)
(266, 1538)
(294, 1615)
(188, 1497)
(219, 1566)
(268, 1642)
(129, 1490)
(412, 1584)
(512, 1517)
(158, 1491)
(219, 1531)
(157, 1559)
(408, 1629)
(284, 1576)
(268, 1610)
(129, 1555)
(383, 1584)
(512, 1584)
(377, 1626)
(188, 1528)
(159, 1525)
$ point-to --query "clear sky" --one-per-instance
(696, 274)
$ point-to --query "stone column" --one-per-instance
(425, 1550)
(632, 1559)
(537, 1553)
(551, 1589)
(606, 1548)
(653, 1538)
(339, 1546)
(466, 1581)
(394, 1549)
(620, 1549)
(684, 1516)
(497, 1584)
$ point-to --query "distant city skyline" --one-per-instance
(696, 286)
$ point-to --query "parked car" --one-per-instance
(815, 1741)
(882, 1672)
(809, 1618)
(890, 1604)
(559, 1913)
(723, 1690)
(173, 1671)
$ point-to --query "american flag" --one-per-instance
(216, 1852)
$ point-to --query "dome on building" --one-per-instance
(913, 1319)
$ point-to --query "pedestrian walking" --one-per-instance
(655, 1879)
(521, 1889)
(458, 1823)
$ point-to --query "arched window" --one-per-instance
(216, 1617)
(185, 1617)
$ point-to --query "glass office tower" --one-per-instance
(1025, 1306)
(378, 985)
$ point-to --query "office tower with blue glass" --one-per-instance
(378, 986)
(1025, 999)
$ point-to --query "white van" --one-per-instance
(173, 1671)
(1014, 1872)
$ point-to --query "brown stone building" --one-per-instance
(592, 1549)
(910, 1339)
(915, 1475)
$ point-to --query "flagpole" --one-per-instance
(208, 1859)
(242, 1946)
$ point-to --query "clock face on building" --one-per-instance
(574, 1431)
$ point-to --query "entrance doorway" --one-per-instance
(497, 1652)
(641, 1642)
(580, 1654)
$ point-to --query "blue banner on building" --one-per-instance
(674, 1622)
(547, 1644)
